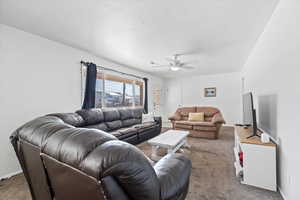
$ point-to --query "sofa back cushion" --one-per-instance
(91, 116)
(111, 114)
(101, 126)
(184, 112)
(108, 119)
(73, 119)
(112, 118)
(113, 125)
(208, 111)
(137, 112)
(126, 113)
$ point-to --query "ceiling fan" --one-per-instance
(174, 64)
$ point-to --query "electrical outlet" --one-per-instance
(289, 180)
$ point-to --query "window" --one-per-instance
(114, 91)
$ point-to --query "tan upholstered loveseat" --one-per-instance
(210, 128)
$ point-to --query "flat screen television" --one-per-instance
(249, 113)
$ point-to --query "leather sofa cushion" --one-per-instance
(184, 111)
(208, 119)
(208, 111)
(101, 126)
(128, 131)
(126, 113)
(205, 128)
(115, 133)
(145, 126)
(195, 123)
(124, 131)
(183, 126)
(137, 112)
(91, 116)
(130, 122)
(73, 119)
(114, 125)
(111, 114)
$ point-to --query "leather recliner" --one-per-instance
(64, 162)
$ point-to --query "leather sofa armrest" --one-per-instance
(158, 120)
(173, 172)
(218, 118)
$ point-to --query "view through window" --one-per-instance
(114, 91)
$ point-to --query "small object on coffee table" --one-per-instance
(172, 140)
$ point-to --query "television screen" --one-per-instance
(249, 113)
(267, 114)
(248, 109)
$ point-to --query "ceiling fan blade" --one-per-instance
(158, 66)
(170, 59)
(187, 67)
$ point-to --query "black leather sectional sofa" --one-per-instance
(123, 123)
(78, 156)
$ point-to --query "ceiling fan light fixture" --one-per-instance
(174, 68)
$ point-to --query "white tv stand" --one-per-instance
(259, 160)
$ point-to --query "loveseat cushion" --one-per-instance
(73, 119)
(204, 128)
(114, 125)
(208, 111)
(102, 126)
(195, 123)
(183, 126)
(111, 114)
(184, 111)
(91, 116)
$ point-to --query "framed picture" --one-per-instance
(210, 92)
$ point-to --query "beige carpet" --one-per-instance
(212, 177)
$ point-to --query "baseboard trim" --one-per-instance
(282, 194)
(229, 125)
(7, 176)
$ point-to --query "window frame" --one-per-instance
(104, 76)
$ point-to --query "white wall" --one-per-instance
(189, 91)
(272, 71)
(39, 76)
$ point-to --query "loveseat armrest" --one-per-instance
(173, 172)
(174, 117)
(218, 118)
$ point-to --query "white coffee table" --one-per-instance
(171, 140)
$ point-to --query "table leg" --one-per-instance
(170, 150)
(187, 145)
(154, 151)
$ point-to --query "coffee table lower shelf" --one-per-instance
(172, 140)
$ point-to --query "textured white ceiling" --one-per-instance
(216, 36)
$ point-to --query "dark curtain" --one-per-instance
(146, 95)
(90, 86)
